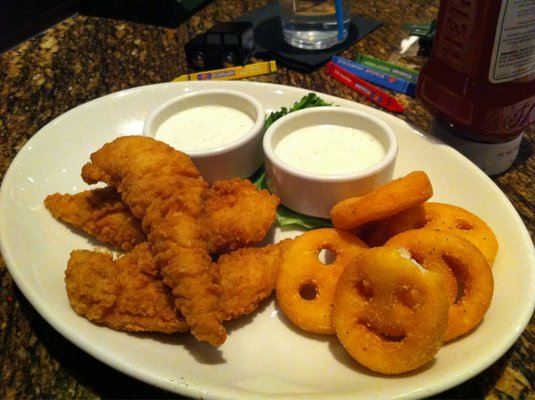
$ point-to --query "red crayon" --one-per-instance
(370, 91)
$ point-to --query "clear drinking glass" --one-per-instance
(315, 24)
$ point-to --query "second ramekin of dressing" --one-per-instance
(317, 157)
(221, 130)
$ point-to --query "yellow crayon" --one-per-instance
(260, 68)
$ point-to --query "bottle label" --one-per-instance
(514, 45)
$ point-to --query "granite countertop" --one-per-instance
(83, 58)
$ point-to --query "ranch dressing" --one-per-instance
(330, 149)
(206, 127)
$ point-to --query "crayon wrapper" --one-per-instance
(391, 69)
(363, 87)
(376, 77)
(245, 71)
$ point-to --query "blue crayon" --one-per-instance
(376, 77)
(398, 71)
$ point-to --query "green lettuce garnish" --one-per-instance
(285, 216)
(310, 100)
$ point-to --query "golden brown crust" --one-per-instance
(238, 214)
(125, 293)
(451, 218)
(162, 187)
(389, 315)
(466, 269)
(100, 213)
(305, 286)
(382, 202)
(248, 276)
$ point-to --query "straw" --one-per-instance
(339, 8)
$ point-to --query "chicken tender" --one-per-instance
(126, 294)
(100, 213)
(162, 187)
(142, 169)
(248, 276)
(238, 214)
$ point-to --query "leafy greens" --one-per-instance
(310, 100)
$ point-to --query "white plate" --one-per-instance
(263, 357)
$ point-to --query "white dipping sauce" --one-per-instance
(330, 149)
(206, 127)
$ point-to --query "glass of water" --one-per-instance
(315, 24)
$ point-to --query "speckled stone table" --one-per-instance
(84, 58)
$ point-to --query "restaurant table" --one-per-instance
(86, 57)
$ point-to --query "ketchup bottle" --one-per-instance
(480, 79)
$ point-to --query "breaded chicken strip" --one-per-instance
(237, 214)
(248, 276)
(126, 294)
(100, 213)
(162, 187)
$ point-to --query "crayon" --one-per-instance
(246, 71)
(365, 88)
(392, 69)
(374, 76)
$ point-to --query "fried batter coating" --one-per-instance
(162, 187)
(180, 249)
(248, 276)
(100, 213)
(238, 214)
(126, 294)
(142, 169)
